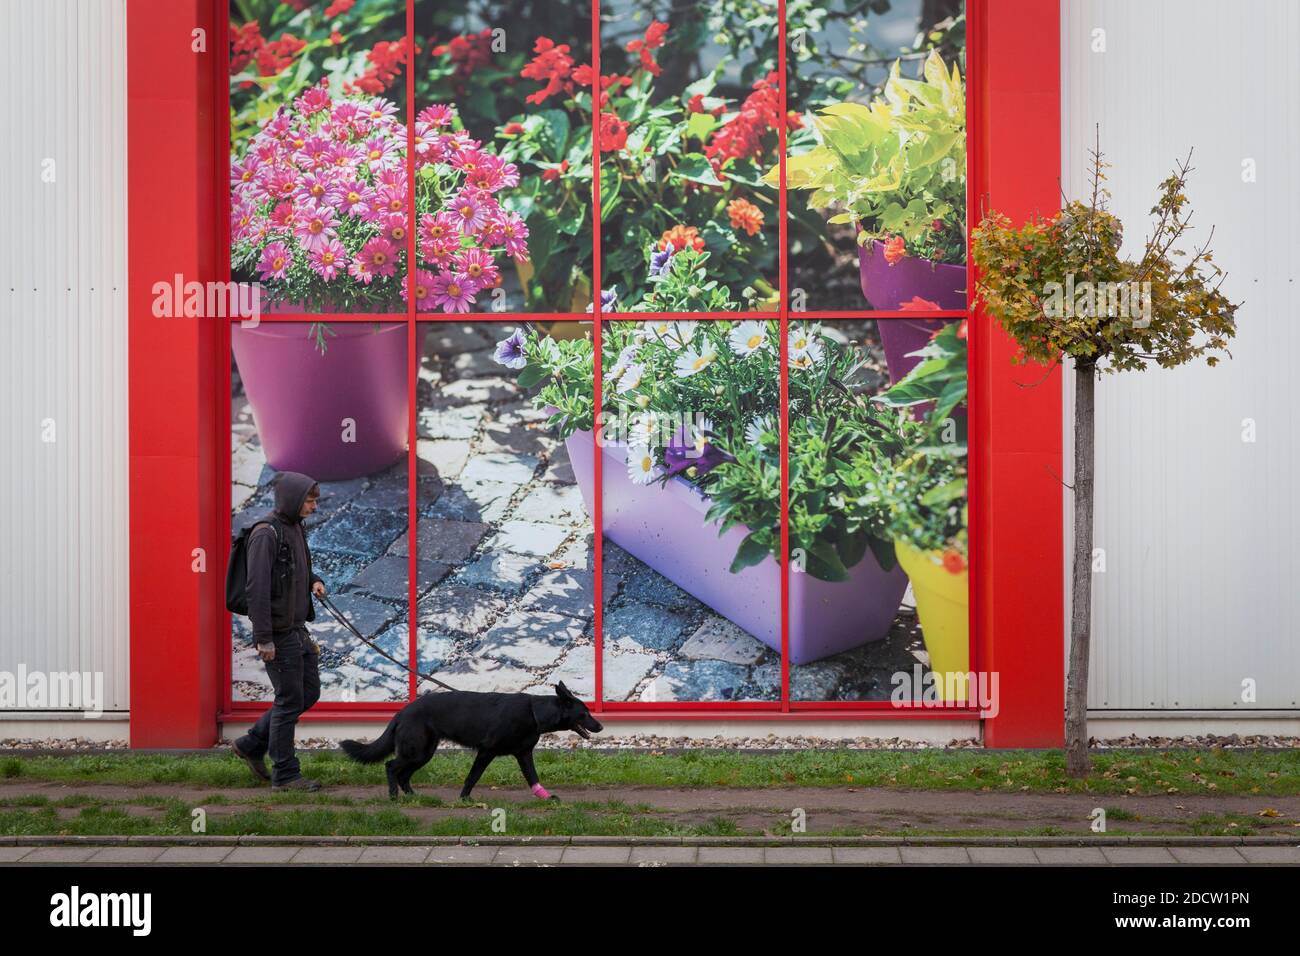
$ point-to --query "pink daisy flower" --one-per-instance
(314, 100)
(454, 293)
(437, 115)
(393, 228)
(439, 228)
(381, 256)
(312, 188)
(354, 198)
(423, 282)
(275, 262)
(283, 184)
(328, 258)
(469, 213)
(314, 226)
(440, 251)
(284, 216)
(391, 200)
(381, 153)
(479, 266)
(514, 233)
(361, 270)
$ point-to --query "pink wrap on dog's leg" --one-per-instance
(540, 792)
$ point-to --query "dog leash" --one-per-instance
(338, 616)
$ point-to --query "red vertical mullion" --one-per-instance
(221, 497)
(597, 517)
(974, 340)
(412, 366)
(783, 326)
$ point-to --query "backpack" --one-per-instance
(237, 567)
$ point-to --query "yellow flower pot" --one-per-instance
(943, 605)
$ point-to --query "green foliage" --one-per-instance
(715, 386)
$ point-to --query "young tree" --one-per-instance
(1060, 289)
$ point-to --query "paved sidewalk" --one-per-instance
(618, 852)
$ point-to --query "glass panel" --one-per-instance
(338, 415)
(877, 170)
(689, 129)
(504, 155)
(877, 466)
(505, 532)
(690, 447)
(318, 154)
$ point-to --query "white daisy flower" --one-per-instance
(697, 433)
(625, 359)
(747, 337)
(757, 428)
(631, 377)
(691, 361)
(641, 466)
(804, 349)
(642, 430)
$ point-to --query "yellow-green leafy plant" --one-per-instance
(896, 167)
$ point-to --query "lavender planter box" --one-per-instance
(665, 528)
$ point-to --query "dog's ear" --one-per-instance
(563, 692)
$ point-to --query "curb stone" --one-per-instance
(802, 840)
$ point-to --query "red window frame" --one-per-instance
(179, 374)
(628, 709)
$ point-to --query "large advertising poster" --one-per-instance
(717, 455)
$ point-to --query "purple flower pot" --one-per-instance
(300, 397)
(888, 287)
(665, 527)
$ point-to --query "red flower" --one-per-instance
(613, 132)
(953, 562)
(961, 330)
(550, 64)
(339, 7)
(743, 135)
(335, 37)
(468, 52)
(918, 305)
(679, 237)
(512, 129)
(654, 38)
(386, 59)
(556, 172)
(894, 250)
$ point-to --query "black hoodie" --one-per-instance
(292, 607)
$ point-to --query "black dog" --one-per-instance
(496, 725)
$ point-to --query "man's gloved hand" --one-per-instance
(266, 651)
(318, 589)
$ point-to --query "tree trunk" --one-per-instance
(1076, 696)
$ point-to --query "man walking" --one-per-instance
(280, 586)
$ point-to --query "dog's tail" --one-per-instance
(376, 750)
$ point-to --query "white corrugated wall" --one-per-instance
(63, 348)
(1201, 588)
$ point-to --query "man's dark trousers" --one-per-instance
(295, 675)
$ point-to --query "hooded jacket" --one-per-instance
(275, 607)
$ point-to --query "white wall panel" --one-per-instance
(63, 358)
(1202, 583)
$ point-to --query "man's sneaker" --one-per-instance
(297, 783)
(254, 764)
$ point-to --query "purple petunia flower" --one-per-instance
(659, 259)
(510, 351)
